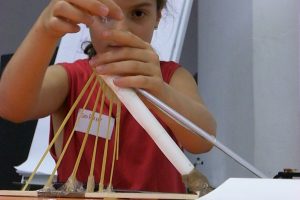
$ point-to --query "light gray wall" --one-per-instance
(225, 81)
(249, 79)
(276, 84)
(189, 55)
(16, 18)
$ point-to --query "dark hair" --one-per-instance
(88, 46)
(161, 4)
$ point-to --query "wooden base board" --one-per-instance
(95, 195)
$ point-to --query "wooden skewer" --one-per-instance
(50, 179)
(59, 131)
(116, 145)
(101, 184)
(75, 169)
(119, 109)
(91, 181)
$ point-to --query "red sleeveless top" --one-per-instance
(141, 164)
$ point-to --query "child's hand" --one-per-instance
(63, 16)
(131, 58)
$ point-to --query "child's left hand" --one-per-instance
(131, 58)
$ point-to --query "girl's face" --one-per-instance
(140, 18)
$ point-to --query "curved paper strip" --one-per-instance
(159, 135)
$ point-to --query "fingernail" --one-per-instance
(104, 10)
(116, 81)
(100, 69)
(120, 15)
(92, 62)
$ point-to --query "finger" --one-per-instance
(61, 26)
(124, 38)
(128, 68)
(144, 82)
(71, 13)
(99, 7)
(115, 11)
(125, 53)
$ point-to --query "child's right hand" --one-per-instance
(63, 16)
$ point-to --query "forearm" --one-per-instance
(22, 79)
(192, 109)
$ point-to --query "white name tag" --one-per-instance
(85, 119)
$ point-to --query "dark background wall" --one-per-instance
(16, 18)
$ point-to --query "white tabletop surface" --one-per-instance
(255, 189)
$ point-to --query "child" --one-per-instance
(30, 90)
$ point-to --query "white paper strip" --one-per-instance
(146, 119)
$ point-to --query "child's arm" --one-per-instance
(182, 95)
(27, 88)
(139, 67)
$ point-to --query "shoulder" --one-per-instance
(173, 71)
(169, 65)
(78, 70)
(81, 65)
(168, 68)
(184, 81)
